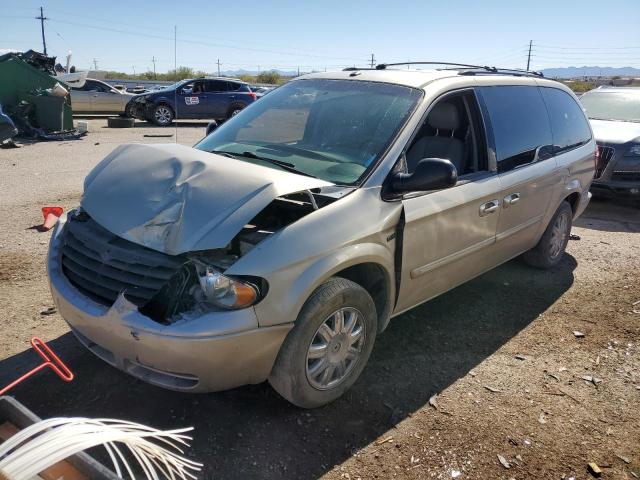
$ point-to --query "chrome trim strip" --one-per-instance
(517, 228)
(419, 271)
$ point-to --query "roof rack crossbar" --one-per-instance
(382, 66)
(486, 68)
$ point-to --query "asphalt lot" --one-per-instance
(538, 412)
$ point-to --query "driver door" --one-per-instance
(449, 235)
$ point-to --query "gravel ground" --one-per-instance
(497, 356)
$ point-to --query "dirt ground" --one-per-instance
(508, 378)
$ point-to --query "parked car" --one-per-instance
(614, 113)
(98, 97)
(282, 244)
(201, 98)
(260, 91)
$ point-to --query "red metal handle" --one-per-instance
(51, 360)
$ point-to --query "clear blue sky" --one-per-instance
(286, 34)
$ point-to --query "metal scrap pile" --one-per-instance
(36, 103)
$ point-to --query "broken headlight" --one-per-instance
(223, 291)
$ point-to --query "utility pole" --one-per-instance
(153, 59)
(529, 55)
(298, 71)
(95, 64)
(373, 61)
(134, 70)
(218, 63)
(42, 18)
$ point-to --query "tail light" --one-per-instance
(252, 95)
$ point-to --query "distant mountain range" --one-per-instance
(238, 73)
(572, 72)
(564, 72)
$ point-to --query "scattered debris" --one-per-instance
(48, 311)
(573, 236)
(519, 356)
(433, 401)
(542, 419)
(158, 135)
(504, 462)
(492, 389)
(606, 243)
(624, 459)
(594, 469)
(385, 440)
(578, 334)
(590, 379)
(455, 473)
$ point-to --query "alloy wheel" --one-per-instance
(335, 348)
(162, 115)
(559, 235)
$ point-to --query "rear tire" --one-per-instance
(327, 349)
(234, 110)
(548, 252)
(162, 115)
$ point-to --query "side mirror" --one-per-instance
(211, 127)
(429, 174)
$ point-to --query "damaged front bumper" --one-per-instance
(216, 351)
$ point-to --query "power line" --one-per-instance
(196, 42)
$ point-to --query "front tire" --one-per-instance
(327, 349)
(549, 250)
(162, 115)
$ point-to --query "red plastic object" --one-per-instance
(51, 360)
(51, 215)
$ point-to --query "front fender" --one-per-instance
(290, 289)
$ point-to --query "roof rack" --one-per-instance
(469, 69)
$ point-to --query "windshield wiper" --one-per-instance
(224, 154)
(290, 167)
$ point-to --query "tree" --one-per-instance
(271, 77)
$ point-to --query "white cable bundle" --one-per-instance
(45, 443)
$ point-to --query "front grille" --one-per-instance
(625, 176)
(605, 154)
(102, 265)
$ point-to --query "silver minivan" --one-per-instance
(283, 243)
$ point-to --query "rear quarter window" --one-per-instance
(569, 126)
(520, 124)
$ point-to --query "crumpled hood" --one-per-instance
(608, 131)
(177, 199)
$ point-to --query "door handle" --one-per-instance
(511, 199)
(489, 207)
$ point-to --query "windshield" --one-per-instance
(603, 105)
(330, 129)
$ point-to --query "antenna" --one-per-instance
(175, 69)
(529, 55)
(42, 18)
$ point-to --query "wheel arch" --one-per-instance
(369, 265)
